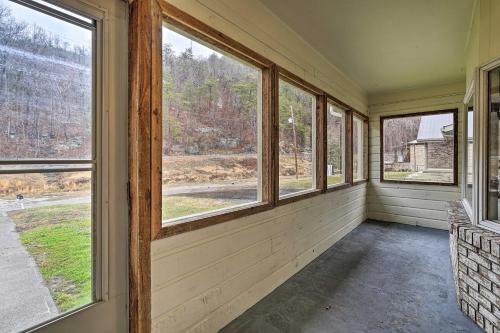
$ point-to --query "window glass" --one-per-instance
(335, 137)
(493, 141)
(297, 110)
(211, 126)
(358, 148)
(46, 210)
(469, 150)
(45, 86)
(419, 148)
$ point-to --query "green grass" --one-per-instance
(397, 175)
(334, 180)
(306, 183)
(292, 183)
(59, 239)
(179, 206)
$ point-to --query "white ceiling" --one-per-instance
(385, 45)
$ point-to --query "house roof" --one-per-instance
(431, 126)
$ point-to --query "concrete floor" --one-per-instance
(382, 277)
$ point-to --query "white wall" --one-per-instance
(203, 279)
(424, 205)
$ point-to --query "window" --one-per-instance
(212, 128)
(48, 164)
(493, 150)
(297, 136)
(419, 148)
(469, 149)
(359, 149)
(335, 139)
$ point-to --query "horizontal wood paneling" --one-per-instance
(201, 284)
(416, 204)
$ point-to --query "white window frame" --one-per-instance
(480, 212)
(360, 146)
(106, 15)
(470, 94)
(343, 147)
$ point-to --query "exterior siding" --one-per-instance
(416, 204)
(201, 280)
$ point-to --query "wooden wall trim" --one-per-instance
(348, 143)
(145, 140)
(321, 144)
(205, 32)
(144, 15)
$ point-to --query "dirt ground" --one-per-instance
(183, 170)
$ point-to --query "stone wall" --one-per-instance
(475, 255)
(440, 155)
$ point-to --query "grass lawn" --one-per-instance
(59, 239)
(292, 183)
(397, 175)
(178, 206)
(334, 180)
(306, 183)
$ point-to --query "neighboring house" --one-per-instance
(433, 148)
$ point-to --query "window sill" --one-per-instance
(417, 182)
(182, 225)
(359, 182)
(490, 226)
(298, 196)
(337, 187)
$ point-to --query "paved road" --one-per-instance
(7, 205)
(25, 300)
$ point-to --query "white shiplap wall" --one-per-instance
(423, 205)
(203, 279)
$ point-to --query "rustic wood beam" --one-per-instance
(144, 59)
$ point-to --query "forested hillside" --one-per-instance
(210, 104)
(45, 93)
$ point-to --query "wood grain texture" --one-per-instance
(321, 144)
(275, 134)
(297, 81)
(197, 28)
(348, 143)
(143, 15)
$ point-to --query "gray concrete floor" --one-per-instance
(382, 277)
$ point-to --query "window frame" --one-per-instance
(347, 153)
(454, 112)
(199, 30)
(366, 162)
(319, 148)
(480, 197)
(144, 146)
(98, 162)
(469, 96)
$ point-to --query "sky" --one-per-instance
(68, 32)
(179, 44)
